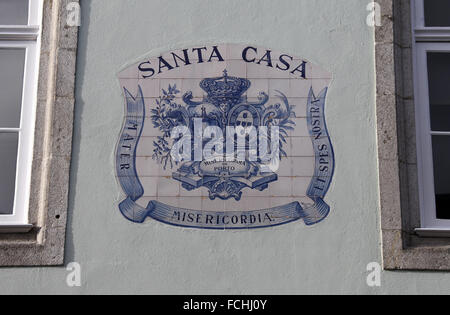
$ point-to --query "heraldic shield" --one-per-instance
(224, 137)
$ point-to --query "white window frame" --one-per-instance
(24, 37)
(426, 39)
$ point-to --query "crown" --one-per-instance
(225, 89)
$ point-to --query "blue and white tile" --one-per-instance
(303, 166)
(150, 185)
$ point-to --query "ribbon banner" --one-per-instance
(310, 213)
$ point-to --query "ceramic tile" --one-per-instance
(150, 87)
(302, 146)
(150, 185)
(303, 166)
(300, 186)
(168, 187)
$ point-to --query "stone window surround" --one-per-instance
(403, 249)
(43, 245)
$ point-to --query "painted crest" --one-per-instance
(224, 137)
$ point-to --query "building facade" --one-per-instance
(355, 204)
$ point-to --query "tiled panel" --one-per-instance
(301, 128)
(191, 202)
(146, 167)
(151, 185)
(258, 86)
(151, 87)
(319, 84)
(303, 166)
(184, 89)
(301, 146)
(132, 72)
(193, 85)
(130, 84)
(167, 187)
(300, 185)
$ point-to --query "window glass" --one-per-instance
(8, 158)
(12, 63)
(437, 13)
(439, 90)
(14, 12)
(441, 158)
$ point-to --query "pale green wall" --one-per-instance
(120, 257)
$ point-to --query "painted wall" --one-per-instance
(120, 257)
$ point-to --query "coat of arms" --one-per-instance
(224, 106)
(224, 143)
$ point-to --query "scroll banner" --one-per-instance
(311, 214)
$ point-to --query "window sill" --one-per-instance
(433, 232)
(18, 228)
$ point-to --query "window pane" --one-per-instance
(12, 63)
(14, 12)
(437, 13)
(441, 158)
(439, 90)
(8, 160)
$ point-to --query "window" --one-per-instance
(37, 85)
(436, 13)
(412, 66)
(19, 60)
(432, 73)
